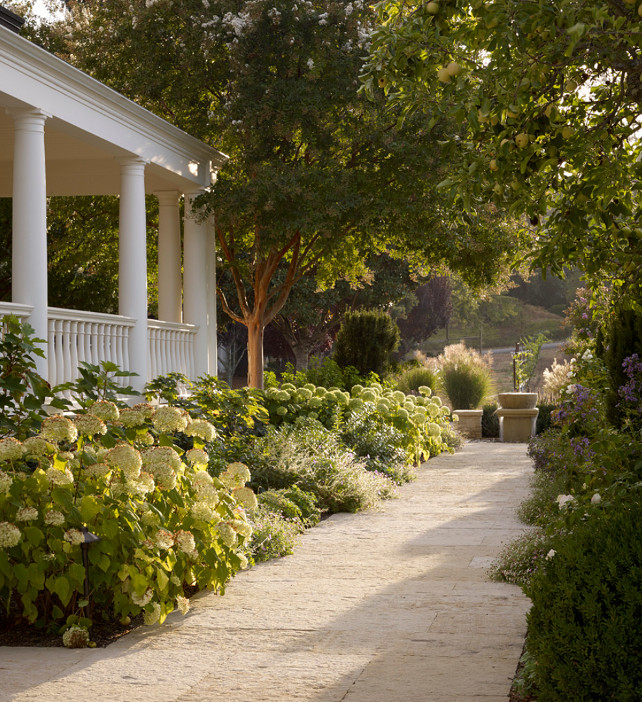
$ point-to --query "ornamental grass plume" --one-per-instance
(556, 378)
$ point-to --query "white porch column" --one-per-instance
(29, 258)
(195, 280)
(132, 263)
(169, 257)
(211, 297)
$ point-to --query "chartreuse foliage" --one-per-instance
(163, 522)
(545, 98)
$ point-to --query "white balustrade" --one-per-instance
(171, 348)
(16, 309)
(85, 337)
(75, 337)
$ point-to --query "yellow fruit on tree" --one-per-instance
(521, 140)
(453, 68)
(493, 165)
(567, 132)
(443, 75)
(640, 10)
(432, 8)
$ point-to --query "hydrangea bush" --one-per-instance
(163, 521)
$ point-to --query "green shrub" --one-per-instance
(311, 457)
(273, 535)
(411, 380)
(292, 503)
(585, 625)
(465, 376)
(23, 392)
(365, 341)
(328, 373)
(544, 420)
(163, 522)
(540, 508)
(378, 444)
(621, 338)
(490, 422)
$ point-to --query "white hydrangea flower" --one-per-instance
(89, 425)
(5, 481)
(197, 457)
(185, 541)
(246, 497)
(58, 429)
(227, 534)
(164, 539)
(74, 536)
(563, 500)
(169, 419)
(127, 458)
(10, 449)
(202, 429)
(54, 518)
(142, 600)
(36, 446)
(182, 604)
(75, 637)
(59, 477)
(9, 535)
(97, 470)
(26, 514)
(105, 410)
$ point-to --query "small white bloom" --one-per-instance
(596, 499)
(563, 500)
(550, 554)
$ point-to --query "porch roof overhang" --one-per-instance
(91, 126)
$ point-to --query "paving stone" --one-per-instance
(390, 605)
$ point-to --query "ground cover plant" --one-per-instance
(580, 564)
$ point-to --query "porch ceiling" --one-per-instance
(79, 163)
(90, 127)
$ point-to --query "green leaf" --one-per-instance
(89, 508)
(62, 588)
(34, 535)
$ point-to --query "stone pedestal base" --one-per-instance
(470, 423)
(517, 425)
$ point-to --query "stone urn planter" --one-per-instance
(517, 416)
(470, 422)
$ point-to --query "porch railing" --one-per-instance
(171, 348)
(75, 337)
(89, 337)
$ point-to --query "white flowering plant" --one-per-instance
(164, 523)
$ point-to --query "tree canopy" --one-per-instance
(319, 177)
(549, 96)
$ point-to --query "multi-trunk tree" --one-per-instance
(319, 177)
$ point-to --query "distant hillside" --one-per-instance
(529, 321)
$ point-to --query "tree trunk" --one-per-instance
(255, 353)
(301, 356)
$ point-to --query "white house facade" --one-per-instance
(64, 133)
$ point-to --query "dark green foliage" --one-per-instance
(328, 373)
(378, 444)
(544, 417)
(366, 340)
(490, 422)
(292, 503)
(585, 626)
(411, 380)
(622, 338)
(23, 391)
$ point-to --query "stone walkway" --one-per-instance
(390, 605)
